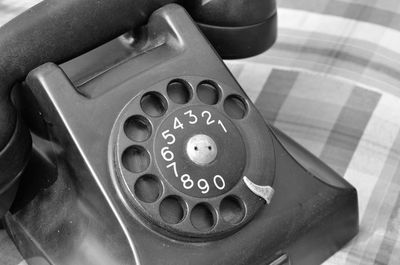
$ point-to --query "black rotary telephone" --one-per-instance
(127, 141)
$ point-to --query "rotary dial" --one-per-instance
(188, 158)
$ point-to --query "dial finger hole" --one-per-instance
(232, 210)
(179, 91)
(137, 128)
(208, 93)
(236, 107)
(202, 217)
(154, 104)
(136, 159)
(173, 210)
(148, 188)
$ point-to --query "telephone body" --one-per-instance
(151, 153)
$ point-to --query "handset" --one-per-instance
(58, 30)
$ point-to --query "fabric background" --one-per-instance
(332, 83)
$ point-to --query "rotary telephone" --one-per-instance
(127, 141)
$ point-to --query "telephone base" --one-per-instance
(72, 206)
(309, 220)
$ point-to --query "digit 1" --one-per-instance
(223, 126)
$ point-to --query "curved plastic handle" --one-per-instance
(57, 30)
(236, 28)
(52, 31)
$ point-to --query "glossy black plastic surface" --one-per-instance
(58, 30)
(236, 28)
(77, 213)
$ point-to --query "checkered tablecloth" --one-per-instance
(332, 82)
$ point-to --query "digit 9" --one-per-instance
(203, 185)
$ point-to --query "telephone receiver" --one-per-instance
(126, 140)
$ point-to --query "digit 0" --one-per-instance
(219, 182)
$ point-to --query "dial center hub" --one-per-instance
(201, 149)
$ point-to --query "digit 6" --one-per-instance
(167, 154)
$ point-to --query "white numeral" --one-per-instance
(167, 135)
(178, 124)
(167, 154)
(221, 184)
(173, 165)
(187, 182)
(223, 127)
(209, 120)
(191, 115)
(203, 186)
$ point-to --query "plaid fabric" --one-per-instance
(330, 82)
(353, 129)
